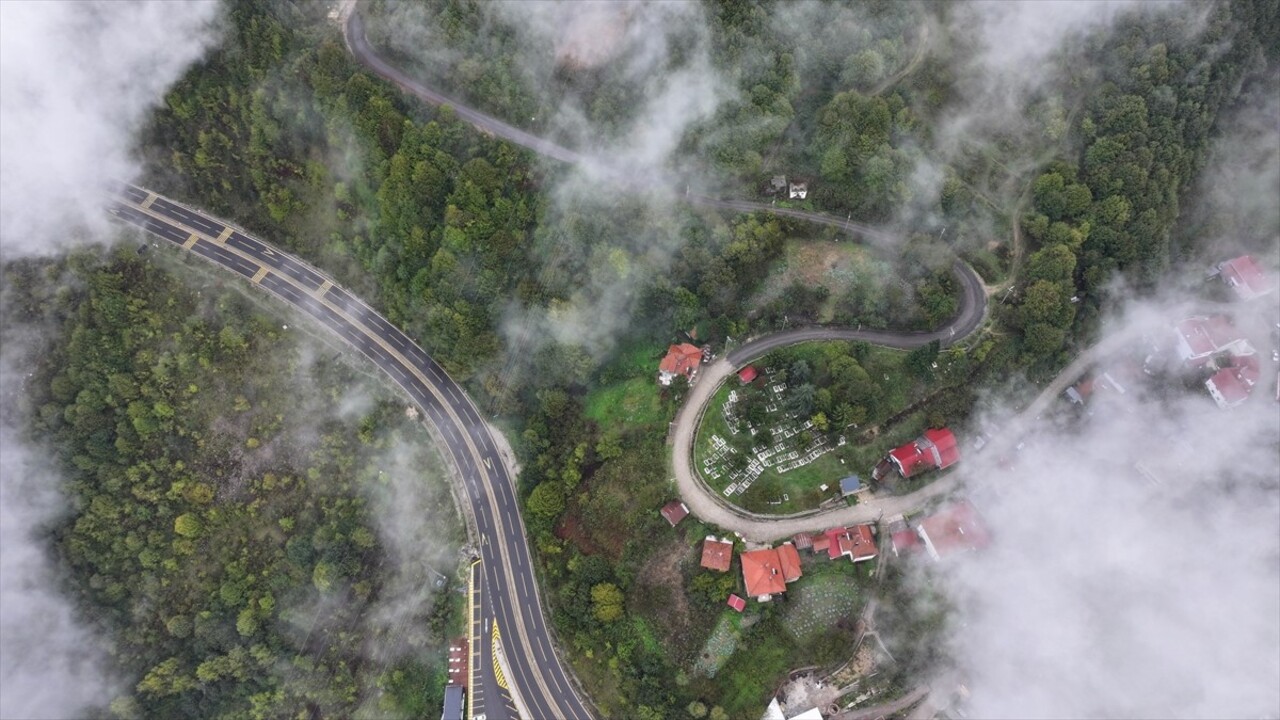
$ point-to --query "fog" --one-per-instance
(76, 82)
(1135, 570)
(50, 664)
(1136, 566)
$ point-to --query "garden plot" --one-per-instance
(720, 646)
(821, 602)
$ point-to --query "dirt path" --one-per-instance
(922, 49)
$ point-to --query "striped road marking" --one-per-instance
(257, 277)
(191, 241)
(226, 233)
(324, 288)
(497, 669)
(472, 641)
(151, 197)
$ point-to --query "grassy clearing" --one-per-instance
(629, 397)
(832, 264)
(635, 402)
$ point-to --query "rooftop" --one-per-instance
(762, 573)
(716, 554)
(936, 449)
(674, 512)
(1245, 277)
(682, 359)
(953, 529)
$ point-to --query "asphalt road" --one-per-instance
(507, 574)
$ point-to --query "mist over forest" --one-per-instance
(210, 507)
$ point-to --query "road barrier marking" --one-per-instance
(497, 669)
(471, 640)
(191, 241)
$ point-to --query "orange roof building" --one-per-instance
(789, 560)
(716, 554)
(683, 359)
(767, 573)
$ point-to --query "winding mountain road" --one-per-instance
(507, 571)
(508, 575)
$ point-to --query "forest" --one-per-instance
(232, 547)
(207, 520)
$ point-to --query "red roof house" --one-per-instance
(821, 543)
(1245, 277)
(1231, 385)
(747, 375)
(683, 359)
(902, 538)
(803, 541)
(737, 603)
(789, 559)
(674, 512)
(857, 543)
(934, 450)
(1200, 336)
(716, 554)
(764, 573)
(952, 530)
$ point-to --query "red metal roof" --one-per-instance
(803, 541)
(716, 554)
(747, 374)
(681, 359)
(1200, 336)
(905, 540)
(674, 512)
(948, 451)
(821, 543)
(737, 603)
(936, 449)
(1245, 277)
(953, 529)
(762, 572)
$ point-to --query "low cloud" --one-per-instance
(50, 664)
(77, 80)
(1136, 565)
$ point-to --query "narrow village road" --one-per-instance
(709, 506)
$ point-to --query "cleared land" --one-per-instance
(837, 266)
